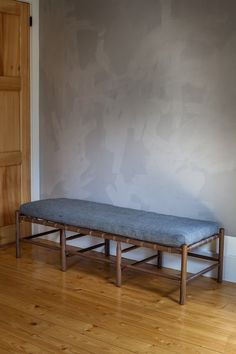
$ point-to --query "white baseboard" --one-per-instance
(173, 261)
(230, 259)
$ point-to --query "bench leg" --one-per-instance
(159, 259)
(63, 249)
(221, 256)
(18, 243)
(183, 279)
(118, 264)
(107, 248)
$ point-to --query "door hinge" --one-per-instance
(30, 21)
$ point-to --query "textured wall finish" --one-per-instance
(138, 104)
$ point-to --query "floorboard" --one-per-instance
(43, 310)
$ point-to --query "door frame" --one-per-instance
(34, 98)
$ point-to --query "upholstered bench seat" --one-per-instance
(137, 228)
(138, 224)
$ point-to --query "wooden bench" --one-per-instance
(162, 233)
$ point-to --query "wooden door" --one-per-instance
(14, 114)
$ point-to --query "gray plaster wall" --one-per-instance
(138, 104)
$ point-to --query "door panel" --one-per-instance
(10, 191)
(10, 121)
(11, 45)
(14, 114)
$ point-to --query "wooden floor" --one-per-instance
(43, 310)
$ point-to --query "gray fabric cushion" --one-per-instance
(138, 224)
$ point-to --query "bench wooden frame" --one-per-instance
(186, 250)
